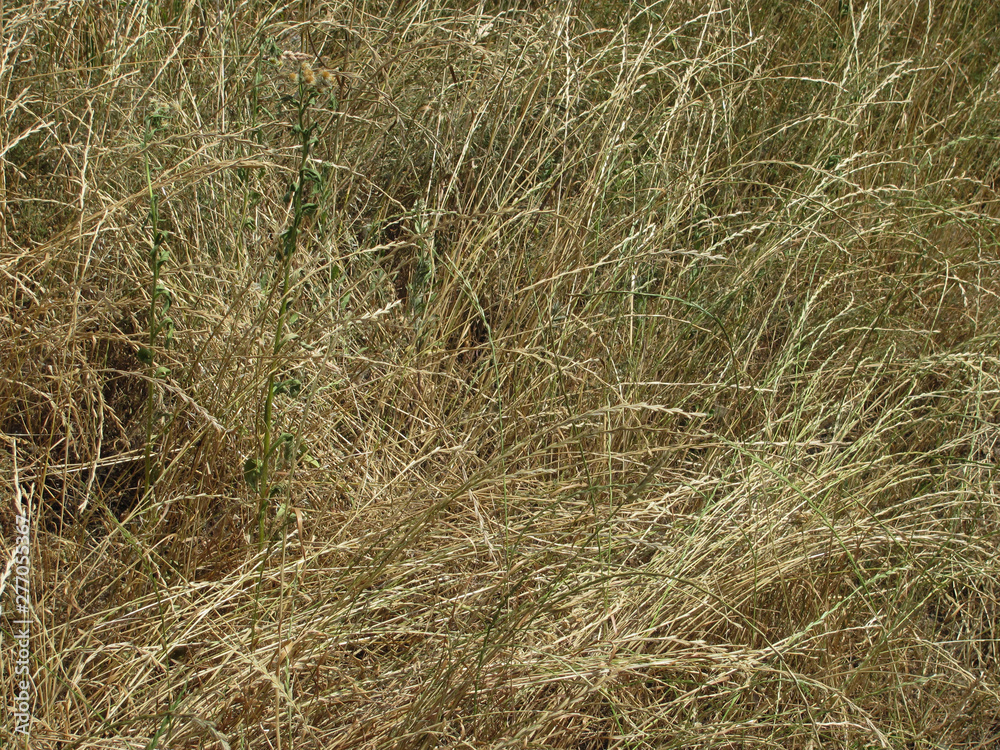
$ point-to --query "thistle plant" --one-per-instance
(258, 470)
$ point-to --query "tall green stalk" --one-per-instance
(258, 471)
(160, 300)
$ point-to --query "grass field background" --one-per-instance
(503, 375)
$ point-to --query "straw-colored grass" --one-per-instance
(642, 391)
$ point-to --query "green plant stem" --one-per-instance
(154, 253)
(288, 245)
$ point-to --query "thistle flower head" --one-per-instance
(308, 74)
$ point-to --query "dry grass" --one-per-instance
(650, 392)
